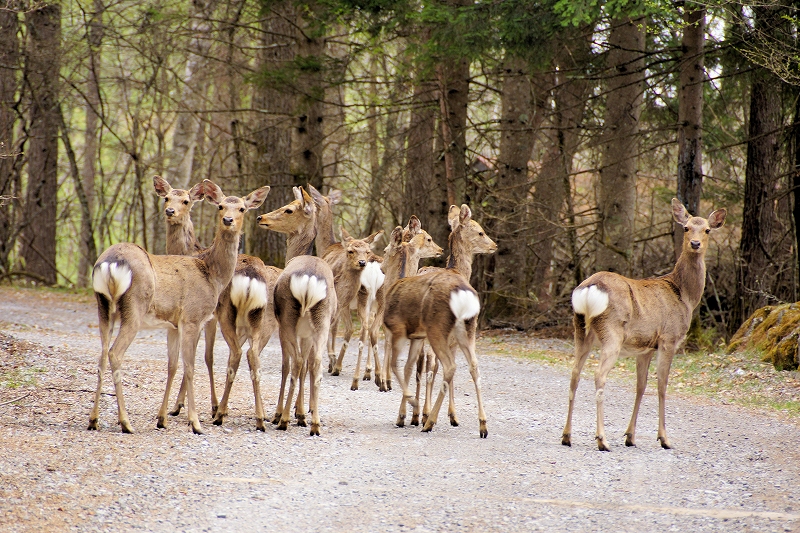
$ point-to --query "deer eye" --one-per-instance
(480, 234)
(350, 252)
(708, 230)
(220, 208)
(166, 200)
(186, 202)
(685, 229)
(288, 211)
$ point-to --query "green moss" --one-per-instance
(774, 332)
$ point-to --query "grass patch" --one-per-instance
(17, 378)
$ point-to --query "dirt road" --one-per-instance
(731, 469)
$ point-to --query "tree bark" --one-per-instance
(453, 77)
(620, 145)
(756, 270)
(690, 115)
(43, 59)
(273, 106)
(9, 178)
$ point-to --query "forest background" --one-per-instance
(567, 126)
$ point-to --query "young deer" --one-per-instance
(305, 303)
(637, 317)
(175, 292)
(348, 261)
(440, 306)
(181, 240)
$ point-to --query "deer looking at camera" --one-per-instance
(441, 306)
(637, 317)
(179, 293)
(305, 303)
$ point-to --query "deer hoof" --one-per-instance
(161, 423)
(414, 420)
(126, 426)
(566, 440)
(282, 425)
(602, 445)
(401, 421)
(276, 418)
(196, 429)
(301, 421)
(260, 424)
(629, 440)
(214, 409)
(427, 427)
(177, 410)
(92, 424)
(335, 371)
(665, 443)
(354, 386)
(314, 430)
(367, 376)
(453, 420)
(330, 368)
(218, 418)
(483, 431)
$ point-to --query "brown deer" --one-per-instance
(324, 225)
(179, 293)
(441, 306)
(305, 303)
(181, 240)
(637, 317)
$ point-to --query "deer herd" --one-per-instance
(193, 289)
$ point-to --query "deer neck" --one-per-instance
(325, 236)
(181, 239)
(301, 242)
(460, 258)
(689, 275)
(220, 258)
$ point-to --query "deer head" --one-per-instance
(357, 250)
(232, 208)
(177, 202)
(468, 233)
(696, 229)
(294, 215)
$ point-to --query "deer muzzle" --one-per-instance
(169, 211)
(228, 221)
(695, 245)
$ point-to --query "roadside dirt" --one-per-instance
(732, 469)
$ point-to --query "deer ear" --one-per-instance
(414, 225)
(346, 237)
(717, 219)
(372, 237)
(212, 192)
(256, 198)
(397, 236)
(452, 217)
(161, 186)
(679, 212)
(196, 193)
(308, 203)
(316, 195)
(465, 215)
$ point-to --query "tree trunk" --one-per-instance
(273, 105)
(755, 273)
(690, 115)
(42, 69)
(9, 178)
(95, 39)
(453, 78)
(620, 145)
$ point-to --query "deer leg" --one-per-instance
(227, 325)
(664, 363)
(397, 344)
(442, 350)
(127, 332)
(374, 331)
(466, 342)
(299, 406)
(347, 320)
(291, 365)
(608, 357)
(189, 339)
(314, 363)
(418, 376)
(173, 356)
(257, 344)
(362, 338)
(642, 366)
(332, 344)
(106, 325)
(431, 368)
(210, 334)
(451, 407)
(286, 365)
(386, 378)
(583, 345)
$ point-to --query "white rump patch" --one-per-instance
(589, 301)
(308, 290)
(248, 294)
(112, 280)
(464, 304)
(372, 278)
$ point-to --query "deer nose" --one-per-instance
(362, 263)
(695, 245)
(227, 221)
(169, 211)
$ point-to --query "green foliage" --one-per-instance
(579, 12)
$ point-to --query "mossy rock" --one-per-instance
(774, 331)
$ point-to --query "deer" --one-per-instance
(636, 317)
(305, 305)
(181, 240)
(442, 307)
(176, 292)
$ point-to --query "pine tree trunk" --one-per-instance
(620, 145)
(9, 178)
(690, 115)
(273, 106)
(43, 59)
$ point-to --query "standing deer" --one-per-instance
(442, 307)
(305, 303)
(181, 240)
(175, 292)
(637, 317)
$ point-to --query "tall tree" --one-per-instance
(42, 63)
(9, 178)
(620, 144)
(690, 114)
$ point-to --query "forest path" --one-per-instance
(732, 469)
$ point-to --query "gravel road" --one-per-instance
(732, 469)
